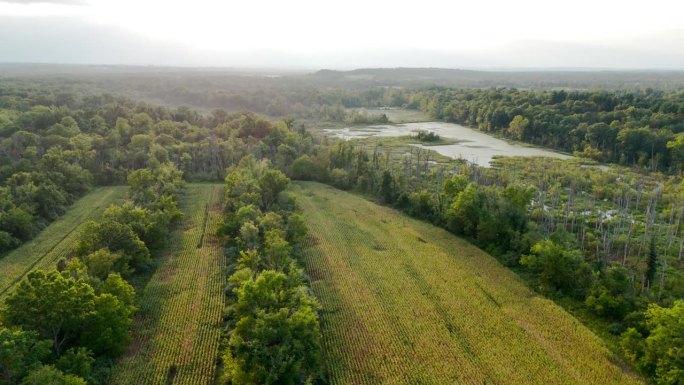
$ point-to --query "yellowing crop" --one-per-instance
(405, 302)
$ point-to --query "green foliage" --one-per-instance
(117, 238)
(660, 353)
(55, 305)
(464, 213)
(20, 352)
(277, 251)
(67, 311)
(274, 329)
(518, 126)
(276, 338)
(305, 168)
(107, 331)
(610, 297)
(427, 136)
(76, 361)
(50, 375)
(558, 269)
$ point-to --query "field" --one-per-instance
(405, 302)
(177, 330)
(58, 239)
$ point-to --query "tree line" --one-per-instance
(273, 331)
(65, 326)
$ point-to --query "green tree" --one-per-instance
(55, 305)
(463, 215)
(558, 269)
(277, 251)
(518, 126)
(76, 361)
(107, 330)
(50, 375)
(387, 188)
(117, 238)
(276, 339)
(676, 146)
(271, 183)
(20, 352)
(661, 353)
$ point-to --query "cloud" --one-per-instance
(72, 40)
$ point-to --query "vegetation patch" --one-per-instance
(459, 315)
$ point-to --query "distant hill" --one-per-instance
(576, 78)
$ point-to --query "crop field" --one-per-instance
(177, 330)
(58, 239)
(405, 302)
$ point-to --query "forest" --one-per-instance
(601, 235)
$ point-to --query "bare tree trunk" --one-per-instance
(662, 279)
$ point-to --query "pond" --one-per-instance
(472, 145)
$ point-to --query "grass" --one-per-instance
(58, 239)
(177, 330)
(405, 302)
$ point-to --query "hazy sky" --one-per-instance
(350, 33)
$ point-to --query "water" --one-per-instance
(474, 146)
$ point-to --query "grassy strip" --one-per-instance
(57, 240)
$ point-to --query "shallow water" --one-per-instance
(474, 146)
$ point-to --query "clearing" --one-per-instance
(405, 302)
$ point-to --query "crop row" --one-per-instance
(177, 331)
(405, 302)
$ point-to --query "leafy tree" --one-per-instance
(119, 288)
(242, 189)
(249, 236)
(7, 241)
(277, 250)
(276, 339)
(518, 126)
(387, 188)
(463, 215)
(102, 262)
(271, 221)
(295, 229)
(50, 375)
(271, 183)
(141, 220)
(676, 146)
(117, 238)
(305, 168)
(249, 259)
(76, 361)
(339, 178)
(609, 296)
(660, 353)
(107, 328)
(53, 304)
(557, 268)
(67, 310)
(20, 352)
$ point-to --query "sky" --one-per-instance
(309, 34)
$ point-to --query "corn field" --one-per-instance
(405, 302)
(177, 330)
